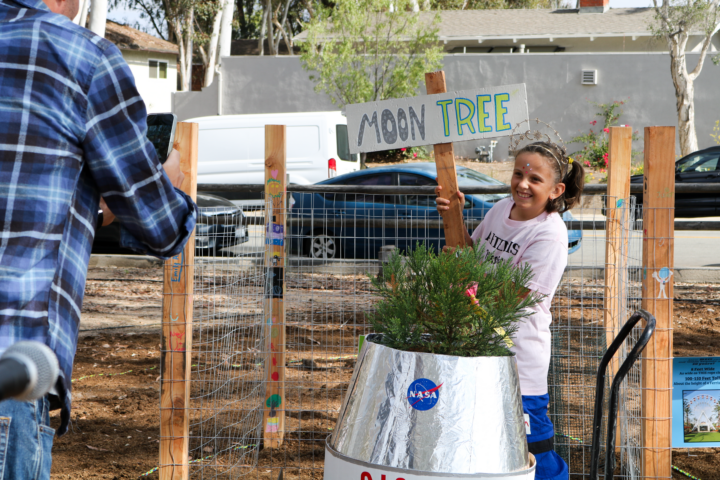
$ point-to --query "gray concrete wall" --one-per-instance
(196, 104)
(555, 95)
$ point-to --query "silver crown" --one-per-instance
(533, 136)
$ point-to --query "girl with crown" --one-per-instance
(527, 226)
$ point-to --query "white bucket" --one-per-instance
(341, 467)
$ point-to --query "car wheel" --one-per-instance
(323, 246)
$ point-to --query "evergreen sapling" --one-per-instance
(456, 303)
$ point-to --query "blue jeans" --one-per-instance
(540, 440)
(25, 440)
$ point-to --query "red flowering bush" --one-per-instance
(595, 152)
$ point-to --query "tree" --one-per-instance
(192, 24)
(675, 21)
(452, 303)
(370, 50)
(686, 410)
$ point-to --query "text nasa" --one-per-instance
(422, 395)
(433, 119)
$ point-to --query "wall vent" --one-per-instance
(589, 77)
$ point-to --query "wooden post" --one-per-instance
(657, 298)
(447, 175)
(616, 211)
(275, 225)
(616, 243)
(177, 330)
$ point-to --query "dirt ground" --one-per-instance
(115, 420)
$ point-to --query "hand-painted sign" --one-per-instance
(696, 402)
(432, 119)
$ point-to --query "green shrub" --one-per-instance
(425, 305)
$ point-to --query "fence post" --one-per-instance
(447, 175)
(618, 193)
(177, 330)
(275, 225)
(657, 298)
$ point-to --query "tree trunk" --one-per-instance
(177, 29)
(263, 27)
(281, 31)
(686, 119)
(226, 29)
(270, 32)
(241, 18)
(189, 34)
(98, 17)
(212, 49)
(684, 95)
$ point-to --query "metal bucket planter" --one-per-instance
(413, 414)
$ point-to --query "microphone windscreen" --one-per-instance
(45, 362)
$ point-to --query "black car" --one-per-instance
(702, 166)
(221, 224)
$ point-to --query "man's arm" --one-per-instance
(155, 217)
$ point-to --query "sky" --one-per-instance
(130, 16)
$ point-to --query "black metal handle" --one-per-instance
(615, 388)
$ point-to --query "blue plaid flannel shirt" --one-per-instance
(72, 127)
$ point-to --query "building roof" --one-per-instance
(529, 23)
(538, 23)
(128, 38)
(251, 47)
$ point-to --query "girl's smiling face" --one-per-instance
(532, 186)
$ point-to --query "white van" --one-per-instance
(231, 148)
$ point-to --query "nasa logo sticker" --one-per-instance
(423, 394)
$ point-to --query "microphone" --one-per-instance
(28, 371)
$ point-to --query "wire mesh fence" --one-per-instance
(333, 242)
(592, 297)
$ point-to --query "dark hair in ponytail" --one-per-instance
(571, 173)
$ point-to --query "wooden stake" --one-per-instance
(275, 207)
(447, 175)
(616, 244)
(177, 330)
(657, 298)
(618, 194)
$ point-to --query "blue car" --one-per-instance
(350, 225)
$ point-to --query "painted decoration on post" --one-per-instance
(662, 276)
(274, 189)
(272, 425)
(177, 266)
(431, 119)
(423, 394)
(696, 402)
(275, 235)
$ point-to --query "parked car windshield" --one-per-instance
(699, 162)
(471, 178)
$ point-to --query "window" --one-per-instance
(343, 144)
(158, 69)
(408, 180)
(471, 178)
(376, 180)
(699, 163)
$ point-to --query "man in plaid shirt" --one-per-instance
(72, 129)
